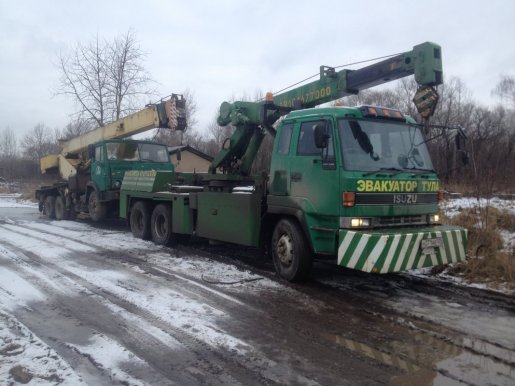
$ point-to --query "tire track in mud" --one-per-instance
(172, 275)
(320, 290)
(261, 362)
(208, 361)
(439, 337)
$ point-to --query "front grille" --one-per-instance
(399, 220)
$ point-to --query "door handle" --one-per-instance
(296, 176)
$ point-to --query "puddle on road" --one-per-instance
(431, 361)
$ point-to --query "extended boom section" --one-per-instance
(253, 119)
(167, 114)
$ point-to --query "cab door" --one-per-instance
(315, 182)
(100, 169)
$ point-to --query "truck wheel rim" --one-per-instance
(139, 220)
(161, 226)
(285, 250)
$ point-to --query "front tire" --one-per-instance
(60, 208)
(290, 252)
(49, 207)
(140, 220)
(161, 224)
(97, 210)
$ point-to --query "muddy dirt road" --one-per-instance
(82, 304)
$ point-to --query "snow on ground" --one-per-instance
(110, 356)
(452, 207)
(19, 346)
(55, 241)
(13, 200)
(25, 358)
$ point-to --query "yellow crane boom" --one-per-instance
(165, 114)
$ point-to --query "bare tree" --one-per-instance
(8, 143)
(128, 80)
(38, 143)
(8, 153)
(104, 78)
(74, 128)
(505, 90)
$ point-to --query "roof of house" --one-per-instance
(176, 149)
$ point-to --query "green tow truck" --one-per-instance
(351, 185)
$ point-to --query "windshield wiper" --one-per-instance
(395, 170)
(422, 170)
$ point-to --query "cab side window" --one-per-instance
(306, 144)
(283, 146)
(99, 154)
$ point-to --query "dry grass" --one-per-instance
(466, 190)
(492, 264)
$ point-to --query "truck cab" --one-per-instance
(109, 162)
(360, 184)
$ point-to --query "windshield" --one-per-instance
(373, 146)
(134, 151)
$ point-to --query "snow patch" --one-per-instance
(16, 291)
(453, 207)
(20, 347)
(14, 201)
(110, 356)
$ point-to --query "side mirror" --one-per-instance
(91, 151)
(179, 156)
(321, 136)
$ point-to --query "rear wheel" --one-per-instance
(60, 208)
(290, 251)
(161, 225)
(70, 213)
(49, 206)
(140, 220)
(97, 210)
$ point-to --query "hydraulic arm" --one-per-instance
(253, 119)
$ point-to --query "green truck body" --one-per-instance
(374, 213)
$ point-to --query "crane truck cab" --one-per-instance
(109, 162)
(95, 184)
(359, 187)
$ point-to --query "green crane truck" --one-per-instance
(352, 185)
(91, 166)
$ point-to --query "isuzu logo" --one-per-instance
(404, 198)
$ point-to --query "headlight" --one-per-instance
(434, 218)
(117, 184)
(355, 222)
(359, 222)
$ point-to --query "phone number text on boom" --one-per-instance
(308, 97)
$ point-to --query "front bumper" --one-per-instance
(394, 250)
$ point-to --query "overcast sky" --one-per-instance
(220, 49)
